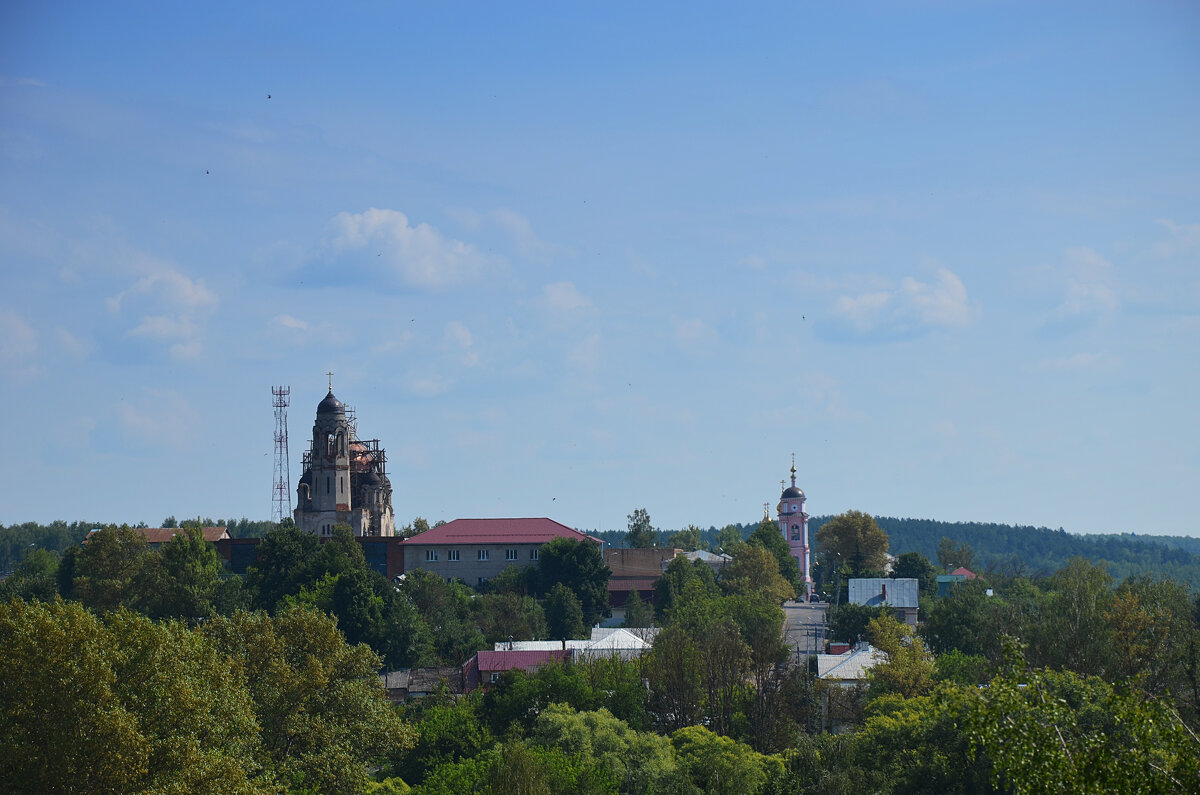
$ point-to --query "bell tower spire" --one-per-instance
(793, 524)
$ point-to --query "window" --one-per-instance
(482, 581)
(533, 554)
(510, 554)
(484, 554)
(327, 484)
(495, 676)
(452, 555)
(431, 554)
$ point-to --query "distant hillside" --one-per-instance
(17, 539)
(1040, 550)
(1015, 549)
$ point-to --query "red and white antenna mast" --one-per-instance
(282, 493)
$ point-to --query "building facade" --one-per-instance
(345, 478)
(476, 550)
(793, 524)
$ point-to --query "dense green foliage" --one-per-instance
(125, 704)
(1070, 679)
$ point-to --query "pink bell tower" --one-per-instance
(793, 523)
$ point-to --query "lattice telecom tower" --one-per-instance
(282, 498)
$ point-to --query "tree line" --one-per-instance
(1071, 681)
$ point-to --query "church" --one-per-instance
(793, 524)
(345, 478)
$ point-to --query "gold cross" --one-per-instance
(330, 374)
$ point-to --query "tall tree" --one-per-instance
(717, 764)
(687, 539)
(854, 539)
(756, 571)
(282, 566)
(643, 762)
(191, 570)
(641, 535)
(679, 572)
(121, 704)
(767, 536)
(111, 567)
(1073, 632)
(953, 556)
(35, 578)
(580, 566)
(564, 614)
(908, 670)
(637, 613)
(446, 609)
(320, 705)
(672, 671)
(916, 566)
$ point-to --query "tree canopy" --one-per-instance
(854, 539)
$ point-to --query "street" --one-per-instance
(804, 626)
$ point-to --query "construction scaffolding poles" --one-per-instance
(282, 492)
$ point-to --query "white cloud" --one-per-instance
(825, 392)
(161, 417)
(170, 286)
(162, 327)
(73, 345)
(287, 321)
(459, 336)
(1082, 361)
(1185, 238)
(564, 297)
(7, 82)
(915, 306)
(428, 385)
(693, 334)
(420, 255)
(1090, 285)
(586, 355)
(943, 303)
(863, 312)
(516, 226)
(18, 340)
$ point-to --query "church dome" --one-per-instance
(792, 492)
(331, 405)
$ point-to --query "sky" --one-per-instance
(575, 259)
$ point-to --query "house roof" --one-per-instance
(643, 585)
(642, 562)
(498, 531)
(852, 665)
(507, 660)
(161, 535)
(965, 572)
(428, 680)
(876, 591)
(711, 558)
(603, 641)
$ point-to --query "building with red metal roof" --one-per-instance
(476, 550)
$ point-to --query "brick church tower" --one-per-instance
(793, 523)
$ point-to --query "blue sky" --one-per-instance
(570, 260)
